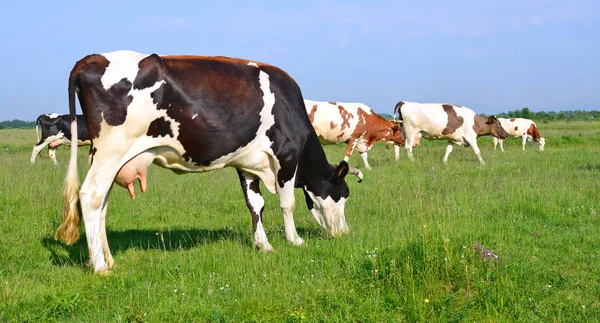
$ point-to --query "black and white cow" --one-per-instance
(56, 131)
(196, 114)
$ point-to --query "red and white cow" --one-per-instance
(196, 114)
(353, 123)
(458, 124)
(520, 127)
(56, 131)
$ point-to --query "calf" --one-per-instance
(457, 124)
(56, 131)
(520, 127)
(196, 114)
(352, 123)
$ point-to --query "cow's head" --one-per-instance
(541, 143)
(326, 199)
(396, 137)
(496, 128)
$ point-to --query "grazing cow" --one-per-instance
(56, 131)
(353, 123)
(196, 114)
(519, 127)
(457, 124)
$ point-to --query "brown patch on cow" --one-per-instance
(148, 72)
(98, 104)
(454, 121)
(346, 116)
(512, 119)
(311, 115)
(332, 125)
(533, 132)
(334, 103)
(225, 83)
(516, 128)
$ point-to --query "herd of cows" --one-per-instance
(197, 114)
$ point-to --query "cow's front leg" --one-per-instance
(287, 203)
(473, 143)
(449, 148)
(256, 204)
(52, 154)
(350, 148)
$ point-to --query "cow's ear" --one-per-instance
(341, 170)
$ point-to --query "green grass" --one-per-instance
(183, 250)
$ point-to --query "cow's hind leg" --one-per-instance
(94, 200)
(256, 204)
(409, 136)
(105, 248)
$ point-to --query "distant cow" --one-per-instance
(352, 123)
(519, 127)
(457, 124)
(196, 114)
(56, 131)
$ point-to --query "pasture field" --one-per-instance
(183, 250)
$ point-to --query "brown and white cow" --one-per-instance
(520, 127)
(352, 123)
(56, 131)
(458, 124)
(196, 114)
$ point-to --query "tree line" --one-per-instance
(522, 113)
(17, 124)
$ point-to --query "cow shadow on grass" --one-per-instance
(119, 241)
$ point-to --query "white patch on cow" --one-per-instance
(53, 115)
(194, 116)
(253, 64)
(122, 64)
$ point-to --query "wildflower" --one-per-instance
(427, 300)
(485, 253)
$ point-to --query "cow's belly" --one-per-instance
(333, 137)
(254, 158)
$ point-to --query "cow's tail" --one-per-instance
(397, 110)
(68, 232)
(37, 133)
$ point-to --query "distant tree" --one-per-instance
(386, 116)
(17, 124)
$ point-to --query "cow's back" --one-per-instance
(335, 122)
(193, 103)
(437, 120)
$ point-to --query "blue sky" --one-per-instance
(492, 56)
